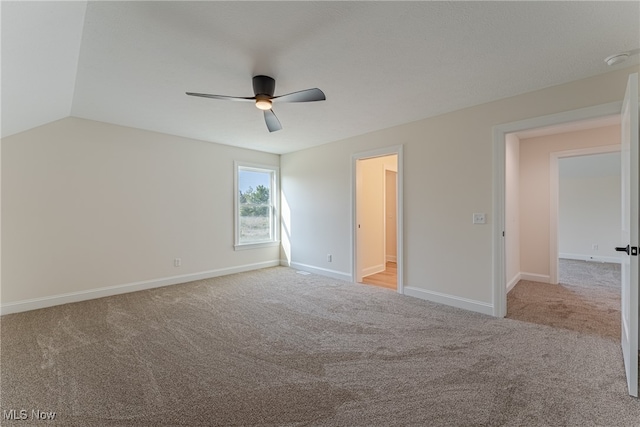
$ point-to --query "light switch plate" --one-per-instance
(479, 218)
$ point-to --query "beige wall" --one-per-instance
(535, 194)
(448, 175)
(88, 205)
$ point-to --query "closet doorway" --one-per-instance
(377, 214)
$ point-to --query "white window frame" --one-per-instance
(274, 193)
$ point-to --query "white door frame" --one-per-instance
(381, 152)
(554, 201)
(499, 294)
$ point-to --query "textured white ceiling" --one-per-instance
(379, 63)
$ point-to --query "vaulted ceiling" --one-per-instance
(380, 64)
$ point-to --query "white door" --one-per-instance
(630, 236)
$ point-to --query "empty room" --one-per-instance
(301, 213)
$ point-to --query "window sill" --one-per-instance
(244, 246)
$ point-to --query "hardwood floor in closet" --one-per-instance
(386, 279)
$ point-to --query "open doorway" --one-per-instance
(627, 113)
(585, 209)
(562, 198)
(374, 273)
(506, 266)
(378, 218)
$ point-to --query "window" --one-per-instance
(256, 203)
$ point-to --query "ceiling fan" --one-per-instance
(263, 89)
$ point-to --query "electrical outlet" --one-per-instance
(329, 258)
(177, 262)
(594, 246)
(479, 218)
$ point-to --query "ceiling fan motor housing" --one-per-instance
(264, 85)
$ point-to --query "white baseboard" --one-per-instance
(458, 302)
(391, 258)
(318, 270)
(583, 257)
(373, 270)
(532, 277)
(50, 301)
(514, 281)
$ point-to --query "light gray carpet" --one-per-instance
(587, 299)
(589, 273)
(272, 347)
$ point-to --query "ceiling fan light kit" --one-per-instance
(263, 90)
(263, 103)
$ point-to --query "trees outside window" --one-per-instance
(256, 205)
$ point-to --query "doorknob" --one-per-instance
(632, 249)
(620, 249)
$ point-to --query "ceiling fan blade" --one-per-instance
(307, 95)
(273, 124)
(228, 98)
